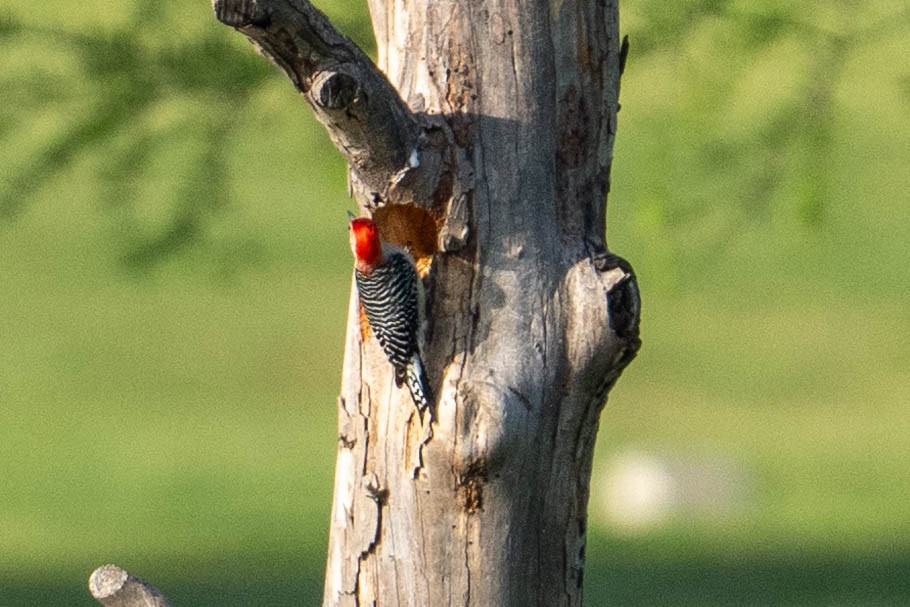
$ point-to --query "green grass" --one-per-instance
(180, 420)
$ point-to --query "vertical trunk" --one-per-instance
(485, 148)
(530, 320)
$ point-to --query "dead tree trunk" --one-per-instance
(484, 145)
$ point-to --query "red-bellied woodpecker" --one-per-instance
(387, 285)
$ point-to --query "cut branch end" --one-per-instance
(115, 587)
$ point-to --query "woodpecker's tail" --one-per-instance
(416, 379)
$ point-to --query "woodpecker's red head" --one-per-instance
(365, 242)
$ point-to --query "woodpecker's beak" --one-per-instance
(351, 215)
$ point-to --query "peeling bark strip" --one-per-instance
(485, 146)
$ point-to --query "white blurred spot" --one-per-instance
(638, 490)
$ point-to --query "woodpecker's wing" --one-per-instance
(389, 298)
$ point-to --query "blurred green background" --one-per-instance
(174, 277)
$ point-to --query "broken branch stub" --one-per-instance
(115, 587)
(392, 153)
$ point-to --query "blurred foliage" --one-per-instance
(129, 75)
(135, 93)
(718, 51)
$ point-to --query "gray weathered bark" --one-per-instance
(485, 146)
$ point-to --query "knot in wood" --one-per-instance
(471, 484)
(335, 90)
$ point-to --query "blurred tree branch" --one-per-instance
(136, 68)
(131, 78)
(735, 177)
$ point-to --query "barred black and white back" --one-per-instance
(388, 295)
